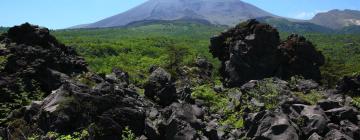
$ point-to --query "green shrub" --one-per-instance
(234, 119)
(356, 101)
(312, 97)
(127, 134)
(213, 99)
(266, 92)
(81, 135)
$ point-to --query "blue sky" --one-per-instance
(57, 14)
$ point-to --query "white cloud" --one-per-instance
(307, 15)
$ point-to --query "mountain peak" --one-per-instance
(219, 12)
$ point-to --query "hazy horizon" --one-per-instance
(60, 14)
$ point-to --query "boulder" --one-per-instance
(272, 125)
(160, 87)
(315, 120)
(246, 52)
(336, 135)
(298, 56)
(329, 104)
(349, 84)
(315, 136)
(342, 113)
(350, 129)
(252, 51)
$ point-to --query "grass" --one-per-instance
(312, 97)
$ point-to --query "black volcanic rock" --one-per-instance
(160, 87)
(251, 51)
(298, 56)
(32, 52)
(350, 84)
(34, 62)
(247, 52)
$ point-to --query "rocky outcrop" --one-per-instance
(33, 62)
(252, 50)
(296, 118)
(298, 56)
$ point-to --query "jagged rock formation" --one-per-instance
(251, 51)
(33, 61)
(298, 56)
(331, 117)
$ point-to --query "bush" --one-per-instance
(313, 97)
(266, 92)
(213, 99)
(127, 134)
(356, 101)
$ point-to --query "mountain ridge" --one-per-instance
(337, 19)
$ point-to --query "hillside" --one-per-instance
(337, 19)
(285, 25)
(218, 12)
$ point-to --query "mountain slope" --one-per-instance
(220, 12)
(285, 25)
(337, 19)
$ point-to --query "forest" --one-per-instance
(136, 48)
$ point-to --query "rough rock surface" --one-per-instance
(252, 51)
(34, 61)
(298, 56)
(296, 118)
(350, 84)
(160, 87)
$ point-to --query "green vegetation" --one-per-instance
(23, 96)
(266, 92)
(135, 49)
(127, 134)
(170, 45)
(356, 101)
(214, 100)
(81, 135)
(312, 97)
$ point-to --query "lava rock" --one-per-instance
(343, 113)
(315, 136)
(298, 56)
(336, 135)
(160, 87)
(350, 129)
(252, 51)
(350, 84)
(273, 126)
(328, 104)
(246, 52)
(35, 62)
